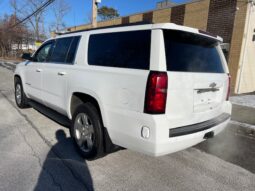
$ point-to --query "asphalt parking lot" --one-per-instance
(37, 154)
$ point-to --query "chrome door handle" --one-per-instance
(38, 70)
(61, 73)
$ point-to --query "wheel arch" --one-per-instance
(16, 76)
(78, 98)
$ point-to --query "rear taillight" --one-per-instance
(228, 91)
(156, 93)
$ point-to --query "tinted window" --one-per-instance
(121, 49)
(188, 52)
(60, 50)
(43, 53)
(72, 50)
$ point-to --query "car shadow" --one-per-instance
(63, 169)
(63, 121)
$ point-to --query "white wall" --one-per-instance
(247, 62)
(24, 47)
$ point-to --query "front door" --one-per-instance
(33, 72)
(56, 73)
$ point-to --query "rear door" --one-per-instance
(56, 72)
(197, 77)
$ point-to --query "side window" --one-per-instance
(72, 50)
(120, 49)
(60, 50)
(43, 53)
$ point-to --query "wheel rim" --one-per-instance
(18, 93)
(84, 132)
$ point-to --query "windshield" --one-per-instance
(189, 52)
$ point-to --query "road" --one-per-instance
(37, 154)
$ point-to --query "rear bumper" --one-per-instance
(189, 129)
(125, 131)
(182, 142)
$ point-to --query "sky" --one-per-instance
(80, 10)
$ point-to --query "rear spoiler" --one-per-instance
(172, 26)
(211, 35)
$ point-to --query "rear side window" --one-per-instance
(188, 52)
(64, 50)
(60, 50)
(120, 49)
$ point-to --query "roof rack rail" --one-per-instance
(107, 27)
(60, 32)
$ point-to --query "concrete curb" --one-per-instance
(243, 125)
(243, 114)
(10, 65)
(9, 62)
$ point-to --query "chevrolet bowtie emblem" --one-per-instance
(213, 85)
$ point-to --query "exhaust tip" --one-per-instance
(209, 135)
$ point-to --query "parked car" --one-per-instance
(152, 88)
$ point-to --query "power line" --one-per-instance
(43, 6)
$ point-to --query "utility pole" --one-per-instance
(94, 12)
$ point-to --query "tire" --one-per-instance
(87, 131)
(20, 97)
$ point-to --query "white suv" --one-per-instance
(152, 88)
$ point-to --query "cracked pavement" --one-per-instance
(37, 154)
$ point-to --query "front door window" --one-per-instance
(43, 53)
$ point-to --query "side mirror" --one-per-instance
(27, 56)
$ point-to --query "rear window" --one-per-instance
(120, 49)
(188, 52)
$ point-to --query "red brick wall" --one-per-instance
(125, 20)
(178, 14)
(148, 17)
(221, 18)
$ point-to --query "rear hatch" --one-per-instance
(197, 77)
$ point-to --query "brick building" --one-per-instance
(165, 4)
(233, 20)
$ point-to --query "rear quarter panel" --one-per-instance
(115, 89)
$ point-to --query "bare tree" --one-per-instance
(25, 8)
(60, 9)
(12, 39)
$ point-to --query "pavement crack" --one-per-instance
(33, 151)
(48, 143)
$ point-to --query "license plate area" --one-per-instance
(207, 99)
